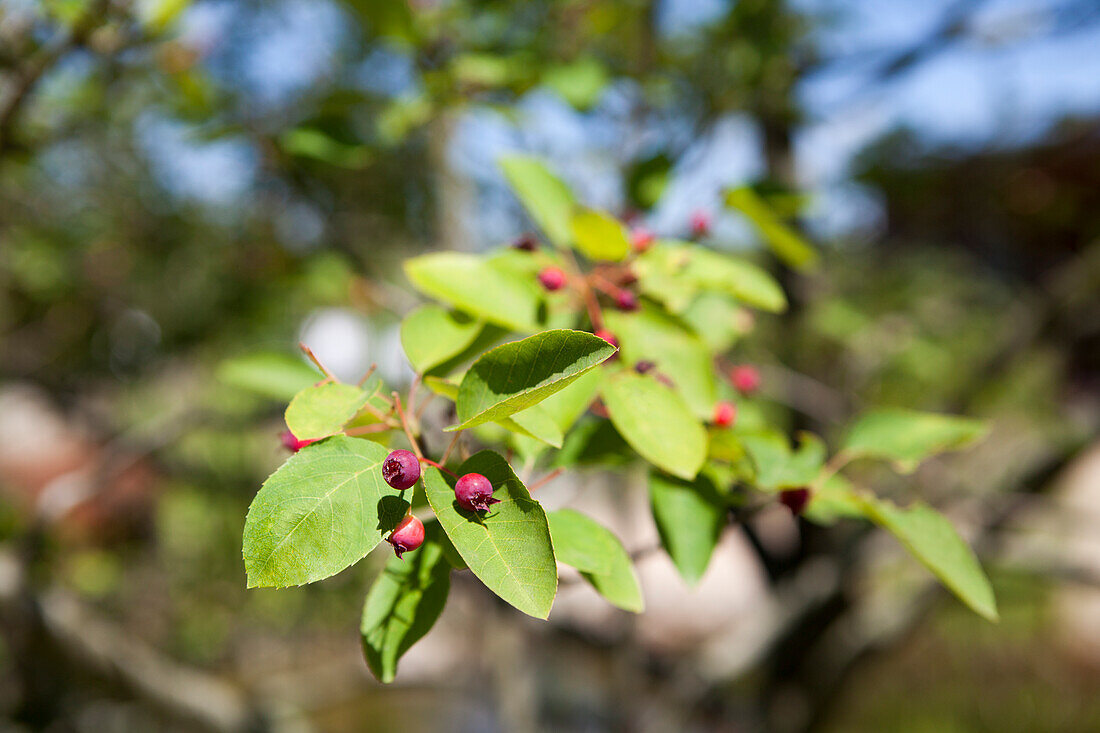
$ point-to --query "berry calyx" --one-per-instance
(608, 337)
(745, 379)
(474, 493)
(626, 301)
(552, 278)
(642, 239)
(700, 223)
(407, 535)
(526, 243)
(724, 414)
(292, 444)
(401, 469)
(795, 499)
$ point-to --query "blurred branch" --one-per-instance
(28, 76)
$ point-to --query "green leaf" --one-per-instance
(320, 512)
(508, 548)
(690, 518)
(535, 422)
(787, 244)
(716, 319)
(517, 375)
(931, 538)
(270, 374)
(591, 548)
(404, 603)
(672, 272)
(777, 466)
(581, 542)
(566, 405)
(679, 354)
(320, 411)
(834, 500)
(593, 442)
(599, 236)
(473, 285)
(907, 437)
(545, 196)
(431, 335)
(579, 83)
(656, 422)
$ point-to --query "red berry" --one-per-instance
(474, 493)
(746, 379)
(526, 243)
(642, 239)
(626, 301)
(407, 536)
(700, 223)
(292, 444)
(795, 499)
(401, 469)
(608, 337)
(552, 278)
(724, 414)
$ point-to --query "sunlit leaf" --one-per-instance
(508, 548)
(907, 437)
(431, 335)
(787, 244)
(673, 272)
(322, 410)
(547, 199)
(270, 374)
(591, 548)
(320, 512)
(472, 285)
(599, 236)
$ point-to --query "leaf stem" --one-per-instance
(545, 479)
(368, 374)
(430, 462)
(405, 426)
(451, 446)
(317, 362)
(587, 294)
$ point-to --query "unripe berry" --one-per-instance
(292, 444)
(401, 469)
(608, 337)
(526, 243)
(626, 301)
(407, 536)
(474, 493)
(795, 499)
(724, 414)
(700, 223)
(745, 379)
(642, 239)
(552, 278)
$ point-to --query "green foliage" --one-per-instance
(517, 375)
(473, 285)
(656, 422)
(787, 244)
(587, 546)
(321, 410)
(547, 199)
(690, 516)
(599, 236)
(777, 466)
(404, 603)
(674, 272)
(508, 548)
(432, 335)
(269, 374)
(906, 437)
(321, 512)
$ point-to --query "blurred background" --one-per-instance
(190, 187)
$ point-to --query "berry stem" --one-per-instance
(405, 426)
(587, 294)
(604, 285)
(368, 374)
(317, 362)
(451, 446)
(430, 462)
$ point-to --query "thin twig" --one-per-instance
(313, 357)
(378, 427)
(450, 446)
(405, 426)
(545, 479)
(430, 462)
(589, 296)
(424, 405)
(368, 374)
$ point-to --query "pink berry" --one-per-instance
(608, 337)
(745, 379)
(795, 499)
(552, 278)
(407, 536)
(626, 301)
(642, 239)
(724, 414)
(474, 493)
(644, 366)
(292, 444)
(700, 223)
(401, 469)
